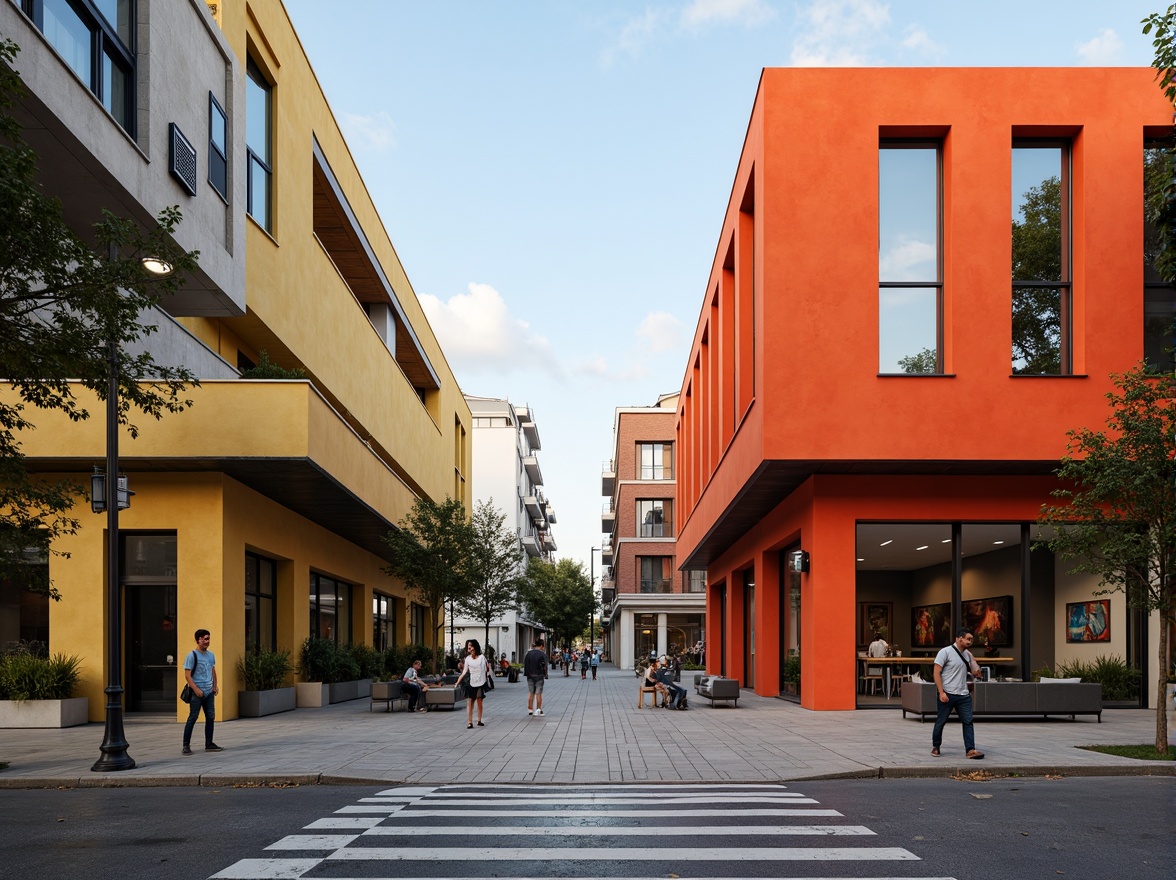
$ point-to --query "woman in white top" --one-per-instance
(477, 669)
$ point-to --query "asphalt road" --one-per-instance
(1005, 828)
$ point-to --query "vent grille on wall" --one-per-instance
(183, 160)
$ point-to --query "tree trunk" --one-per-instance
(1162, 687)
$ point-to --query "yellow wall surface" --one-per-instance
(296, 298)
(216, 520)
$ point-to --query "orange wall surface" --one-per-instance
(811, 164)
(807, 191)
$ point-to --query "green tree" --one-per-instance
(63, 300)
(431, 554)
(559, 594)
(1037, 256)
(1117, 519)
(925, 361)
(494, 567)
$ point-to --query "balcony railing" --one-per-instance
(608, 478)
(657, 585)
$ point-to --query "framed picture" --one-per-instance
(1088, 621)
(875, 618)
(991, 620)
(931, 625)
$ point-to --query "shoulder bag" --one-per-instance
(187, 693)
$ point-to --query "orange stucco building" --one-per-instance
(870, 385)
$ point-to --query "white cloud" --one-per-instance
(701, 13)
(662, 332)
(1105, 49)
(663, 23)
(905, 255)
(839, 33)
(478, 333)
(635, 34)
(375, 132)
(916, 39)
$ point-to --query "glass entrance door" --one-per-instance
(152, 664)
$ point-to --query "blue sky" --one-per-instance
(554, 174)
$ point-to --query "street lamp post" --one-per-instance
(114, 742)
(592, 614)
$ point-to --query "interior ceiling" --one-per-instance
(897, 546)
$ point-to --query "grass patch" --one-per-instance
(1145, 752)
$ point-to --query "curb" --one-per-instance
(280, 780)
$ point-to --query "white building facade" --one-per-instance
(506, 473)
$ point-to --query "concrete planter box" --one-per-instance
(343, 691)
(44, 713)
(257, 704)
(312, 694)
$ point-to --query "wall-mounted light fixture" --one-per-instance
(157, 266)
(798, 560)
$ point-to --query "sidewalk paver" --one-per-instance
(592, 732)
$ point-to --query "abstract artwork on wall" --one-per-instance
(1088, 621)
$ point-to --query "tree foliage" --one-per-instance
(925, 361)
(1161, 201)
(494, 567)
(63, 299)
(559, 594)
(431, 555)
(1117, 518)
(1037, 256)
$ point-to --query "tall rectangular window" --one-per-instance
(218, 148)
(1159, 297)
(96, 40)
(656, 461)
(656, 574)
(910, 262)
(330, 609)
(416, 624)
(261, 595)
(655, 518)
(383, 621)
(259, 144)
(1041, 258)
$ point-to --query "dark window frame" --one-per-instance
(252, 159)
(666, 445)
(105, 42)
(262, 600)
(647, 507)
(342, 621)
(215, 153)
(922, 284)
(1155, 290)
(1064, 286)
(383, 621)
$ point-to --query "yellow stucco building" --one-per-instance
(258, 514)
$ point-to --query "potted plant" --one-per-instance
(38, 691)
(370, 664)
(346, 685)
(792, 674)
(264, 673)
(317, 666)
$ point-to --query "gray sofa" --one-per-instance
(1012, 698)
(715, 687)
(449, 697)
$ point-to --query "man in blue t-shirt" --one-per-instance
(200, 674)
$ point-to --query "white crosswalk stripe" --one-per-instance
(681, 831)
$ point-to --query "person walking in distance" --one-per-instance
(535, 669)
(594, 662)
(583, 664)
(200, 674)
(477, 669)
(952, 665)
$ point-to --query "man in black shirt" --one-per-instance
(535, 669)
